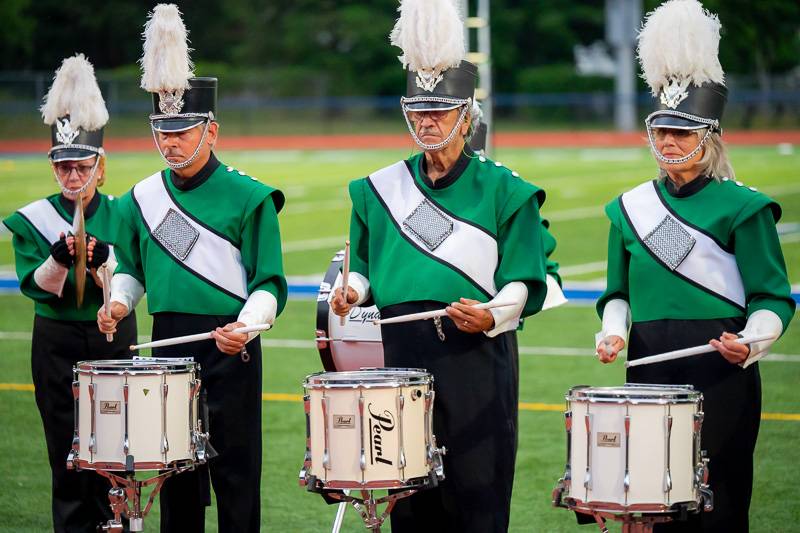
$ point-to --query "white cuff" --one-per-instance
(355, 281)
(762, 322)
(507, 318)
(555, 296)
(126, 290)
(260, 308)
(111, 262)
(51, 276)
(616, 321)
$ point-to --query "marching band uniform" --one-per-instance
(687, 264)
(63, 332)
(207, 251)
(418, 245)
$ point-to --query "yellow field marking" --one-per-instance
(524, 406)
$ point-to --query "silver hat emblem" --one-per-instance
(170, 103)
(674, 93)
(427, 80)
(65, 133)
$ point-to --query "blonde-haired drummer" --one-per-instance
(57, 273)
(694, 257)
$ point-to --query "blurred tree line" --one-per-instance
(340, 47)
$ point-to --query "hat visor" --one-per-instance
(431, 106)
(676, 123)
(71, 154)
(175, 125)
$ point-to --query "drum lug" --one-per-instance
(567, 479)
(322, 341)
(76, 441)
(626, 480)
(125, 442)
(92, 435)
(164, 441)
(667, 440)
(587, 480)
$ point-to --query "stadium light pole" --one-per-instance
(623, 18)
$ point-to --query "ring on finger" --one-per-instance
(466, 323)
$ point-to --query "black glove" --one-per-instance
(60, 252)
(99, 254)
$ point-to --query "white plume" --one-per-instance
(75, 93)
(165, 64)
(430, 33)
(680, 39)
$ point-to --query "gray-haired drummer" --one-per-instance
(450, 228)
(694, 258)
(59, 273)
(202, 239)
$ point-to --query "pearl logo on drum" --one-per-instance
(344, 421)
(608, 440)
(378, 424)
(109, 408)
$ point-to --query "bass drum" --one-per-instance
(354, 345)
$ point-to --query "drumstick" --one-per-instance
(688, 352)
(196, 337)
(439, 312)
(345, 275)
(105, 277)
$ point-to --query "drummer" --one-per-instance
(203, 239)
(694, 258)
(49, 263)
(469, 233)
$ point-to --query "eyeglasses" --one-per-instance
(65, 169)
(435, 115)
(679, 135)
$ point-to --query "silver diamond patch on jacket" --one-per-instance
(176, 234)
(429, 225)
(670, 242)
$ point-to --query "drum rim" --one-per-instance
(392, 376)
(124, 367)
(633, 393)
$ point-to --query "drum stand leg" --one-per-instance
(367, 507)
(125, 498)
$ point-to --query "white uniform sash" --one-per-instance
(47, 221)
(206, 254)
(706, 264)
(467, 249)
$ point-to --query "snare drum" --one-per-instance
(370, 429)
(634, 448)
(139, 414)
(355, 345)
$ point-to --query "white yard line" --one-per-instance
(313, 244)
(585, 268)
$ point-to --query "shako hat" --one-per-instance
(431, 35)
(180, 100)
(75, 111)
(678, 52)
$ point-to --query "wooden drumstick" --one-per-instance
(688, 352)
(105, 277)
(345, 276)
(425, 315)
(196, 337)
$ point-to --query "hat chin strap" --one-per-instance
(178, 166)
(77, 192)
(448, 139)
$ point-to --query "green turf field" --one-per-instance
(314, 222)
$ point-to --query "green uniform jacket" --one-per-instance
(31, 249)
(741, 219)
(485, 195)
(231, 204)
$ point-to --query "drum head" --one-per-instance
(355, 344)
(142, 365)
(369, 377)
(636, 393)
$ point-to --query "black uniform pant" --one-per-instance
(732, 406)
(233, 397)
(474, 417)
(79, 499)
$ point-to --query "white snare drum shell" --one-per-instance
(653, 451)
